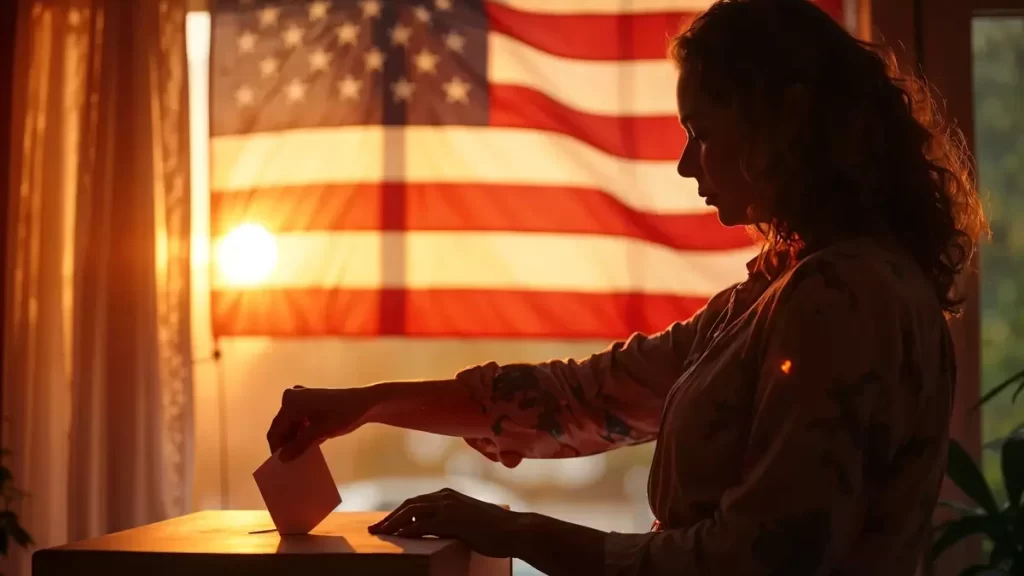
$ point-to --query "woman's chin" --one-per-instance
(728, 218)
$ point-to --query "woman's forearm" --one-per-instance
(437, 406)
(556, 547)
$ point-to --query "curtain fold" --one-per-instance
(97, 364)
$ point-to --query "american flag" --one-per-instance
(458, 168)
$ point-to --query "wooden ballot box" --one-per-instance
(243, 542)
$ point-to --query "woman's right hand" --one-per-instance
(313, 415)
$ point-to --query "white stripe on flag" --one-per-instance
(610, 88)
(604, 6)
(450, 154)
(501, 260)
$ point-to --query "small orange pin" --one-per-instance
(786, 366)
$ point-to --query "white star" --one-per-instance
(373, 59)
(269, 16)
(245, 96)
(402, 89)
(426, 61)
(400, 35)
(295, 90)
(421, 13)
(348, 33)
(268, 66)
(246, 42)
(455, 42)
(349, 88)
(318, 10)
(318, 60)
(456, 90)
(292, 36)
(371, 8)
(443, 4)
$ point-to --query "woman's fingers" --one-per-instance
(306, 436)
(289, 420)
(282, 429)
(405, 516)
(415, 501)
(421, 499)
(426, 527)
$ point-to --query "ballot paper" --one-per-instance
(298, 494)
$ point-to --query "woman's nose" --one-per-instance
(689, 161)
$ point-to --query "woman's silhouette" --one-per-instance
(802, 416)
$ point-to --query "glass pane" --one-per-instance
(998, 51)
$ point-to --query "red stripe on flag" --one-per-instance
(470, 207)
(591, 36)
(834, 8)
(446, 313)
(634, 137)
(394, 213)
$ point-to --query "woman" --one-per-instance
(802, 416)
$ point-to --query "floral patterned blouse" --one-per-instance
(801, 420)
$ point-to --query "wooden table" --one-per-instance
(221, 542)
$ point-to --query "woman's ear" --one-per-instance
(782, 134)
(779, 126)
(772, 146)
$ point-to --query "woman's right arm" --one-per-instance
(566, 408)
(509, 412)
(547, 410)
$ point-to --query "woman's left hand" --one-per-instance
(484, 527)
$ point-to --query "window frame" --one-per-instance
(934, 37)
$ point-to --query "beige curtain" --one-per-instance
(97, 367)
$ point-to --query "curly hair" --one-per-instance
(875, 156)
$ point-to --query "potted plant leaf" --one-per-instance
(10, 527)
(999, 523)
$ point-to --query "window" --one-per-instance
(998, 64)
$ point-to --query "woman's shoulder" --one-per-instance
(869, 276)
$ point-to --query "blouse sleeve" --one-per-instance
(830, 352)
(565, 408)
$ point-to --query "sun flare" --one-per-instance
(247, 255)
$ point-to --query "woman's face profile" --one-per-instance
(715, 144)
